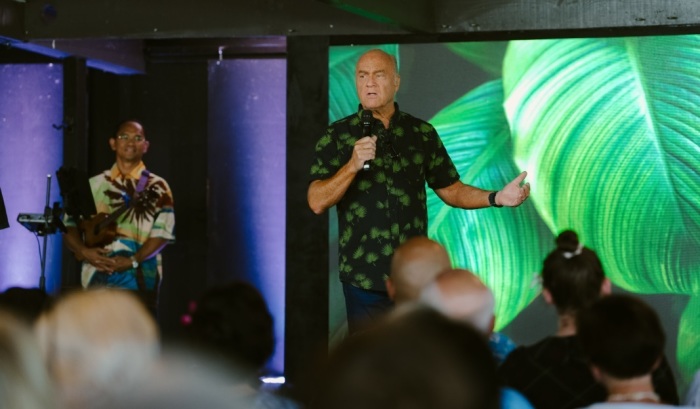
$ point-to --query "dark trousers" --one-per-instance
(364, 306)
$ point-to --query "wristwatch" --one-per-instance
(134, 263)
(492, 200)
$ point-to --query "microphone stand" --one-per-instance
(43, 224)
(47, 217)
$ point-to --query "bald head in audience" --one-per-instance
(461, 295)
(414, 265)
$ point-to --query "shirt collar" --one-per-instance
(134, 174)
(396, 110)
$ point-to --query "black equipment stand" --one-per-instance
(42, 225)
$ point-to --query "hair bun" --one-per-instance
(567, 241)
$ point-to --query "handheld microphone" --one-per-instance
(366, 129)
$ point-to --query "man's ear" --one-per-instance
(606, 287)
(547, 296)
(113, 144)
(492, 324)
(146, 144)
(390, 289)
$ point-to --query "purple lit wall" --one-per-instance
(247, 182)
(31, 102)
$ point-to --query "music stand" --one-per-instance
(42, 225)
(3, 214)
(75, 191)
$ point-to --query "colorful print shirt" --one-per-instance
(152, 216)
(386, 204)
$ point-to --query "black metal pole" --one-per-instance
(47, 227)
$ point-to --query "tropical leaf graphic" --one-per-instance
(612, 127)
(505, 247)
(487, 55)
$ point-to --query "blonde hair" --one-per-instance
(24, 381)
(97, 342)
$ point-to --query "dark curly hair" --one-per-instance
(231, 322)
(621, 335)
(572, 273)
(421, 359)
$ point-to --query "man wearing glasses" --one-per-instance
(121, 245)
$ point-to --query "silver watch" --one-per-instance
(134, 263)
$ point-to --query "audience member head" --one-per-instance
(461, 295)
(572, 275)
(25, 303)
(231, 323)
(181, 381)
(419, 359)
(97, 344)
(24, 381)
(621, 336)
(415, 263)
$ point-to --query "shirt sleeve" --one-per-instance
(326, 161)
(441, 171)
(164, 223)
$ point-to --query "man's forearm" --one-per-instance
(464, 196)
(150, 248)
(74, 242)
(324, 194)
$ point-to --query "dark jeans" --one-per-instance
(364, 306)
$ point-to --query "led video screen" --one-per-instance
(608, 131)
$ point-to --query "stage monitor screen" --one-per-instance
(608, 130)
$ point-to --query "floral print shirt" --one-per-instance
(150, 216)
(386, 204)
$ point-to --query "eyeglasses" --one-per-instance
(135, 138)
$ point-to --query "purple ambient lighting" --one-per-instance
(31, 102)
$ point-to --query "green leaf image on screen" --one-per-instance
(612, 127)
(505, 247)
(608, 129)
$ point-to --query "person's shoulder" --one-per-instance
(268, 400)
(100, 181)
(405, 117)
(100, 176)
(512, 399)
(345, 120)
(501, 339)
(515, 357)
(544, 343)
(632, 405)
(554, 350)
(542, 350)
(500, 345)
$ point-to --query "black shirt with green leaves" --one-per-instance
(386, 204)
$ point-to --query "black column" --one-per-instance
(306, 333)
(75, 144)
